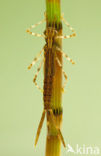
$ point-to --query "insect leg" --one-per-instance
(35, 77)
(40, 126)
(67, 36)
(66, 56)
(65, 76)
(68, 25)
(33, 26)
(66, 79)
(35, 34)
(57, 128)
(35, 59)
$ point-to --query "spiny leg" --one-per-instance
(66, 36)
(65, 76)
(58, 129)
(35, 34)
(33, 26)
(66, 56)
(35, 77)
(40, 126)
(68, 25)
(35, 59)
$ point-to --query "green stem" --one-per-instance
(53, 143)
(53, 10)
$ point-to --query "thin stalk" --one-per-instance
(53, 142)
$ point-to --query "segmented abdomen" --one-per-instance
(48, 81)
(49, 70)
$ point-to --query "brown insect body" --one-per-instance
(52, 62)
(49, 66)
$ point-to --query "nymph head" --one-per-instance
(50, 35)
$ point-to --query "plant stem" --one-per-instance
(53, 142)
(53, 10)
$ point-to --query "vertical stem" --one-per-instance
(53, 142)
(53, 10)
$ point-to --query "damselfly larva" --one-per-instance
(50, 50)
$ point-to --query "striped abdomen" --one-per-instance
(48, 81)
(48, 77)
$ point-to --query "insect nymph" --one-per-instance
(50, 49)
